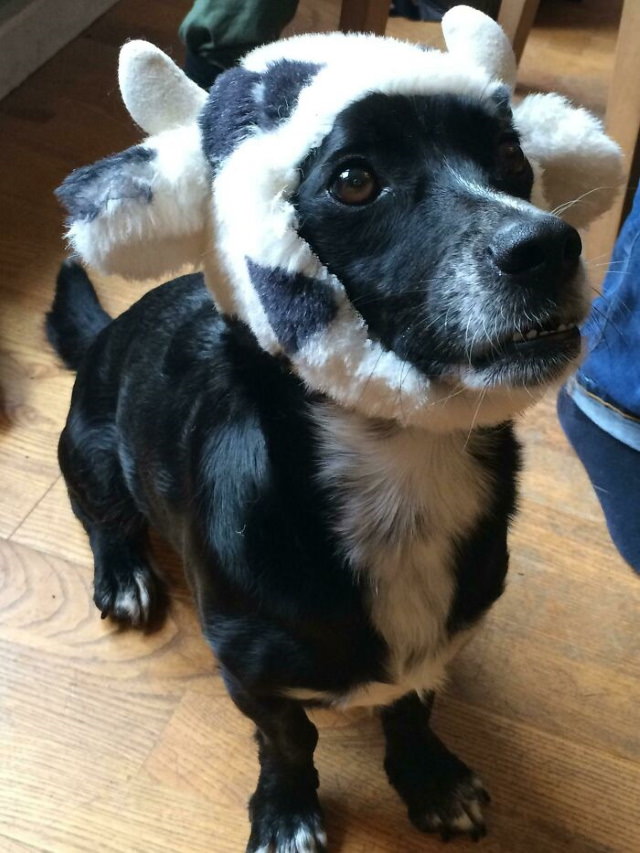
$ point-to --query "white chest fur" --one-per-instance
(403, 498)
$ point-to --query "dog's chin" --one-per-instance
(540, 359)
(502, 385)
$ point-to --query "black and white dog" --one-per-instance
(336, 557)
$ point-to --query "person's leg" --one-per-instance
(614, 470)
(217, 33)
(599, 408)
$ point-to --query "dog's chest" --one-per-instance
(402, 499)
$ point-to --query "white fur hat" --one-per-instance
(212, 188)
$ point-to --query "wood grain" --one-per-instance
(623, 123)
(364, 16)
(118, 741)
(516, 18)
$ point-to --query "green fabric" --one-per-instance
(222, 31)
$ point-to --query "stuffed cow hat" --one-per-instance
(211, 188)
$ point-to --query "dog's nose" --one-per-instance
(545, 245)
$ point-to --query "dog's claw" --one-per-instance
(478, 833)
(136, 599)
(453, 812)
(279, 826)
(307, 837)
(483, 796)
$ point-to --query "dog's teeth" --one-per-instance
(532, 334)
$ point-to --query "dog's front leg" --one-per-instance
(284, 810)
(441, 793)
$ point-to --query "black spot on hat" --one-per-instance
(280, 88)
(297, 306)
(229, 113)
(241, 100)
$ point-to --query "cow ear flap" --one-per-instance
(580, 166)
(142, 213)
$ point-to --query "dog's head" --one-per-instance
(379, 215)
(420, 207)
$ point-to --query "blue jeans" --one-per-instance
(607, 386)
(599, 409)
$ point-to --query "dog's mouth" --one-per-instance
(527, 356)
(537, 341)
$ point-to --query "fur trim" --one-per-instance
(581, 165)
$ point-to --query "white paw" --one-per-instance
(458, 812)
(303, 836)
(133, 600)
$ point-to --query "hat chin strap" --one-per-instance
(362, 376)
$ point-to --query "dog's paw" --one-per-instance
(286, 833)
(455, 808)
(136, 598)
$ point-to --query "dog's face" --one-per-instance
(419, 206)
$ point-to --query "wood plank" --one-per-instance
(364, 16)
(516, 18)
(623, 123)
(31, 31)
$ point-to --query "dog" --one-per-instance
(335, 558)
(321, 423)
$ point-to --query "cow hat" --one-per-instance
(211, 188)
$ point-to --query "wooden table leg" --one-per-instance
(516, 19)
(364, 16)
(623, 124)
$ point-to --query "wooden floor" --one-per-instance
(114, 741)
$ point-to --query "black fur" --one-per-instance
(483, 558)
(437, 788)
(180, 421)
(76, 316)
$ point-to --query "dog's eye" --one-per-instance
(355, 185)
(511, 157)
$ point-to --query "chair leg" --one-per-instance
(364, 16)
(516, 19)
(623, 124)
